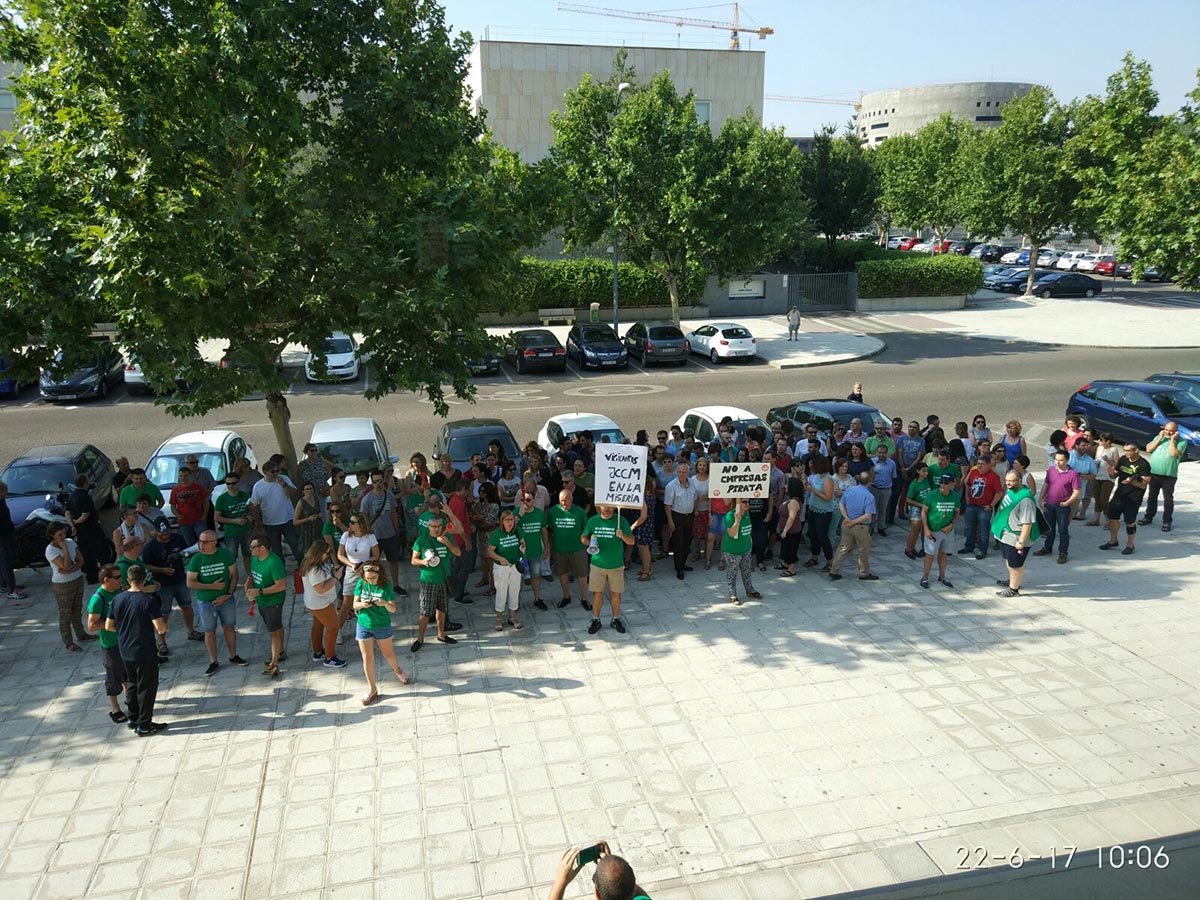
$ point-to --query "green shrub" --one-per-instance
(544, 283)
(811, 255)
(919, 276)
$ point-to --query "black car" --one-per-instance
(1189, 381)
(488, 364)
(95, 379)
(1066, 284)
(1000, 273)
(536, 349)
(596, 345)
(656, 342)
(1016, 282)
(49, 470)
(989, 252)
(463, 438)
(962, 248)
(824, 413)
(1125, 270)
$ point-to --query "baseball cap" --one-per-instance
(946, 479)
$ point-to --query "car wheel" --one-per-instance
(1042, 294)
(520, 367)
(1089, 293)
(102, 390)
(712, 355)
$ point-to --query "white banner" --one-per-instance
(739, 481)
(620, 475)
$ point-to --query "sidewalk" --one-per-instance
(830, 737)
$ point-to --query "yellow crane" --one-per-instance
(734, 28)
(857, 104)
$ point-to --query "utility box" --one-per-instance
(594, 314)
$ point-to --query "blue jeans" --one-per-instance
(1058, 520)
(978, 528)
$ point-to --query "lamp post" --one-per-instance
(616, 296)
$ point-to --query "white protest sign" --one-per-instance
(739, 481)
(620, 475)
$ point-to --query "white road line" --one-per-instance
(639, 368)
(575, 372)
(528, 408)
(1014, 381)
(366, 378)
(833, 324)
(505, 374)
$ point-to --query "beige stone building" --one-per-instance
(906, 110)
(520, 84)
(7, 101)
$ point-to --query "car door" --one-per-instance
(1104, 408)
(1140, 416)
(703, 339)
(632, 337)
(705, 431)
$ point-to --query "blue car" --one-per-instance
(47, 470)
(1137, 411)
(9, 387)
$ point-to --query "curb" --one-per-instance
(784, 364)
(1008, 339)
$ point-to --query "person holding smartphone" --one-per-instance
(613, 879)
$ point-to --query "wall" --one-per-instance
(7, 101)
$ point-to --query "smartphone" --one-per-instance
(588, 855)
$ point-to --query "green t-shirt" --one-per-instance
(433, 574)
(124, 562)
(587, 481)
(941, 508)
(566, 526)
(130, 493)
(264, 573)
(530, 525)
(612, 548)
(212, 568)
(332, 530)
(918, 489)
(506, 544)
(376, 615)
(234, 508)
(740, 544)
(873, 444)
(1161, 460)
(936, 472)
(100, 605)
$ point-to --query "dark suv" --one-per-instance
(596, 345)
(656, 342)
(1137, 410)
(824, 413)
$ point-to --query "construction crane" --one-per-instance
(857, 104)
(734, 28)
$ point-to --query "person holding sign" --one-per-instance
(735, 551)
(603, 536)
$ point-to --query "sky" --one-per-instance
(836, 49)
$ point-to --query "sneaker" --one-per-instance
(966, 551)
(594, 627)
(1109, 545)
(925, 583)
(453, 626)
(1062, 558)
(163, 650)
(1166, 526)
(945, 582)
(619, 625)
(585, 605)
(17, 595)
(981, 556)
(835, 576)
(540, 604)
(447, 640)
(336, 662)
(870, 576)
(238, 661)
(318, 657)
(1144, 520)
(464, 599)
(152, 728)
(563, 603)
(1001, 582)
(412, 648)
(163, 660)
(399, 591)
(195, 636)
(211, 670)
(1045, 551)
(1128, 551)
(911, 554)
(1008, 592)
(883, 532)
(271, 671)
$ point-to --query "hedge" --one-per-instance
(544, 283)
(919, 276)
(811, 255)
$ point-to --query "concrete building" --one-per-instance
(7, 100)
(905, 110)
(520, 84)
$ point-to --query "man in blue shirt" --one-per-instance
(882, 481)
(1084, 463)
(858, 511)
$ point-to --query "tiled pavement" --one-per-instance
(828, 738)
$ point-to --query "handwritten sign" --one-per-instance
(739, 481)
(620, 475)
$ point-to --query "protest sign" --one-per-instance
(620, 475)
(739, 481)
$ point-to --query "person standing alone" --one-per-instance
(793, 323)
(1166, 451)
(136, 618)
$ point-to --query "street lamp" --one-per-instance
(616, 298)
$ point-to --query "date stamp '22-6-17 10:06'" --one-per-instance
(1116, 856)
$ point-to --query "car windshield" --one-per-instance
(606, 435)
(536, 338)
(666, 333)
(353, 456)
(338, 345)
(597, 334)
(1182, 404)
(38, 479)
(737, 333)
(164, 470)
(464, 446)
(869, 419)
(740, 425)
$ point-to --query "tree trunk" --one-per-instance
(281, 423)
(831, 251)
(1034, 247)
(673, 290)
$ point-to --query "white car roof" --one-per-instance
(343, 429)
(573, 422)
(727, 325)
(717, 413)
(195, 442)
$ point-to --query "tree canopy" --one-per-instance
(840, 184)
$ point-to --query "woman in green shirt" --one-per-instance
(915, 498)
(374, 605)
(735, 551)
(505, 548)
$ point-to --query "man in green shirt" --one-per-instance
(603, 535)
(138, 485)
(131, 555)
(565, 522)
(531, 524)
(1166, 451)
(943, 466)
(915, 500)
(938, 515)
(99, 609)
(232, 512)
(268, 588)
(880, 438)
(213, 577)
(432, 552)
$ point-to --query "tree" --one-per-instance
(260, 173)
(1019, 174)
(840, 184)
(639, 162)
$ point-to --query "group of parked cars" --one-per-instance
(1047, 282)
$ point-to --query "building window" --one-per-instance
(979, 103)
(879, 125)
(7, 100)
(989, 118)
(893, 109)
(703, 112)
(989, 103)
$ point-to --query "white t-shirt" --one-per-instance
(272, 498)
(313, 599)
(53, 553)
(358, 549)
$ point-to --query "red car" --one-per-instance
(1105, 265)
(940, 246)
(909, 242)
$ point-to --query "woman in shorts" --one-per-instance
(374, 604)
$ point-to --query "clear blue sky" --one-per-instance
(821, 49)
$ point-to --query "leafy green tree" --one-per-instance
(640, 162)
(840, 185)
(259, 173)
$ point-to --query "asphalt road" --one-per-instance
(917, 374)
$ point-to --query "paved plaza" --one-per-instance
(825, 739)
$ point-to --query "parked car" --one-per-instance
(1125, 270)
(921, 247)
(940, 246)
(656, 342)
(1137, 410)
(596, 345)
(1048, 257)
(216, 450)
(1087, 262)
(488, 364)
(824, 413)
(1066, 284)
(703, 420)
(1105, 265)
(9, 386)
(1010, 256)
(48, 470)
(353, 444)
(536, 349)
(93, 379)
(908, 243)
(1189, 381)
(463, 438)
(603, 429)
(989, 253)
(962, 248)
(862, 236)
(1069, 260)
(135, 378)
(340, 351)
(1017, 281)
(894, 242)
(1002, 273)
(722, 340)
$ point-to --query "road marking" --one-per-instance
(781, 394)
(366, 378)
(505, 374)
(574, 371)
(557, 406)
(639, 368)
(1014, 381)
(616, 390)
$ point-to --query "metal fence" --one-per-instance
(837, 290)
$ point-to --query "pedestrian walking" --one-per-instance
(320, 580)
(116, 682)
(736, 552)
(1166, 451)
(136, 618)
(66, 581)
(374, 604)
(938, 515)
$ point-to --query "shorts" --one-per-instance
(433, 598)
(574, 564)
(716, 523)
(1124, 505)
(1011, 555)
(272, 617)
(937, 544)
(178, 593)
(208, 615)
(114, 672)
(379, 634)
(614, 578)
(239, 543)
(391, 548)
